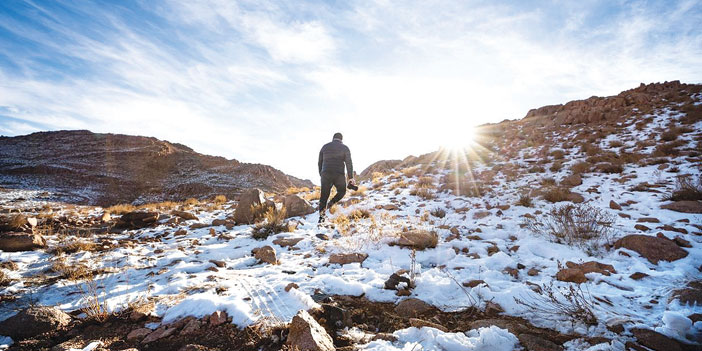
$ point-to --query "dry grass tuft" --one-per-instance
(273, 223)
(580, 167)
(359, 213)
(556, 194)
(410, 172)
(424, 193)
(570, 303)
(295, 190)
(361, 192)
(120, 209)
(580, 225)
(525, 200)
(686, 188)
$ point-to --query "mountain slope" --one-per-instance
(92, 168)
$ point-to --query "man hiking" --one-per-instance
(332, 158)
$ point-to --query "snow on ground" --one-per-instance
(176, 271)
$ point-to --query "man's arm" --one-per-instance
(319, 163)
(349, 164)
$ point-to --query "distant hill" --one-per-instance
(80, 166)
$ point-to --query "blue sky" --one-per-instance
(270, 82)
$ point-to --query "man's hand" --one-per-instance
(352, 181)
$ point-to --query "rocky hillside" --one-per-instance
(90, 168)
(546, 234)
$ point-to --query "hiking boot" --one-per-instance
(322, 217)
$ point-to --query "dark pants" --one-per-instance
(338, 180)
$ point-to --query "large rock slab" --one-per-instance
(137, 219)
(412, 308)
(34, 321)
(307, 335)
(418, 239)
(13, 242)
(296, 206)
(655, 340)
(652, 248)
(243, 213)
(684, 206)
(346, 258)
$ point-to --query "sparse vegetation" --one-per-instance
(687, 188)
(580, 225)
(570, 303)
(525, 200)
(273, 223)
(424, 193)
(609, 168)
(580, 167)
(537, 169)
(412, 171)
(120, 209)
(556, 194)
(438, 212)
(359, 213)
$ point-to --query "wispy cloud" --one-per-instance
(269, 82)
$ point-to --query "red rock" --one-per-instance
(418, 239)
(648, 220)
(473, 283)
(307, 335)
(14, 242)
(652, 248)
(291, 286)
(412, 307)
(655, 340)
(265, 254)
(638, 276)
(342, 259)
(684, 206)
(296, 206)
(218, 318)
(615, 206)
(572, 180)
(573, 275)
(33, 321)
(184, 215)
(285, 242)
(138, 334)
(243, 213)
(419, 323)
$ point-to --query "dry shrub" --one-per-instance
(359, 213)
(537, 169)
(570, 303)
(686, 188)
(164, 205)
(525, 200)
(558, 154)
(74, 246)
(615, 143)
(609, 168)
(342, 223)
(314, 195)
(590, 149)
(425, 182)
(219, 199)
(399, 184)
(556, 166)
(295, 190)
(412, 171)
(438, 212)
(693, 114)
(191, 201)
(4, 280)
(94, 307)
(556, 194)
(120, 209)
(273, 223)
(72, 271)
(579, 225)
(376, 176)
(670, 134)
(424, 193)
(667, 149)
(548, 181)
(580, 167)
(361, 192)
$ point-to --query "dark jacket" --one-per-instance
(332, 158)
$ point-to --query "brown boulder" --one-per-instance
(689, 295)
(573, 275)
(184, 215)
(684, 206)
(296, 206)
(136, 220)
(655, 340)
(307, 335)
(163, 331)
(652, 248)
(34, 321)
(412, 308)
(593, 266)
(418, 239)
(285, 242)
(572, 180)
(243, 213)
(265, 254)
(218, 318)
(13, 242)
(342, 259)
(138, 334)
(533, 342)
(641, 227)
(613, 205)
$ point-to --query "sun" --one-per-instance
(460, 138)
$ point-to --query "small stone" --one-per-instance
(638, 276)
(473, 283)
(343, 259)
(615, 206)
(138, 334)
(218, 318)
(291, 286)
(533, 272)
(412, 307)
(419, 323)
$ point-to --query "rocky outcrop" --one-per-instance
(596, 109)
(105, 169)
(652, 248)
(137, 219)
(418, 239)
(34, 321)
(296, 206)
(307, 335)
(244, 212)
(13, 242)
(684, 206)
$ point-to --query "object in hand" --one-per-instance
(352, 186)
